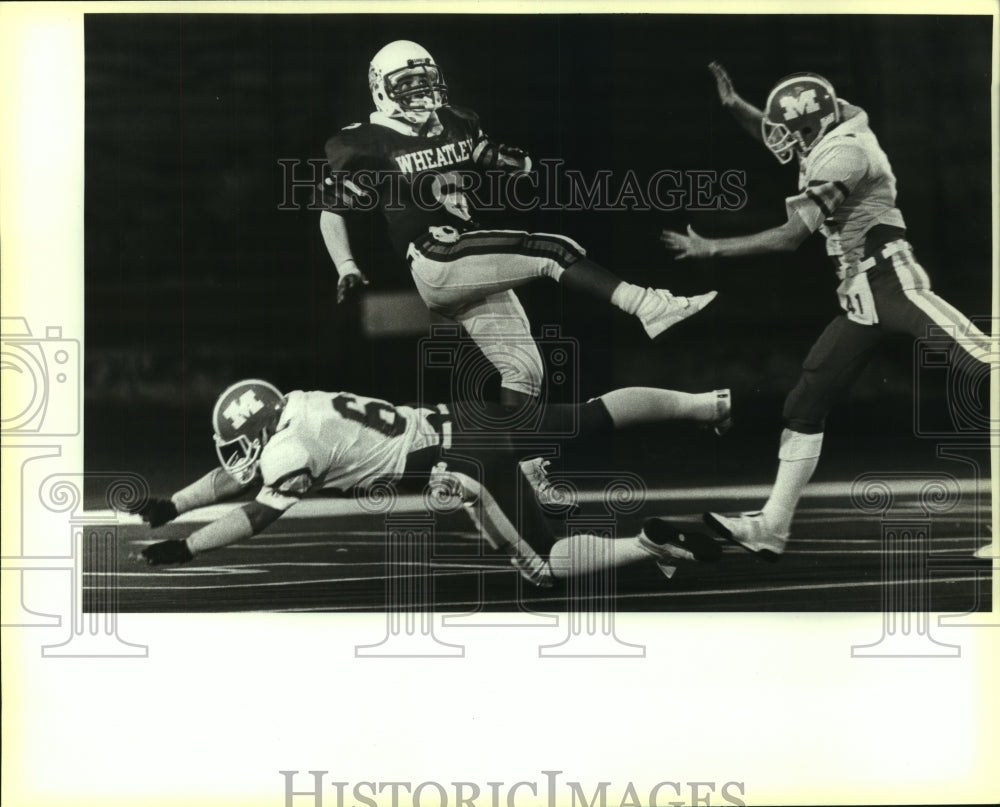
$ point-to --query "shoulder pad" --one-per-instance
(462, 115)
(837, 145)
(462, 112)
(354, 147)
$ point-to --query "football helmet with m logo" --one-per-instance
(244, 418)
(799, 111)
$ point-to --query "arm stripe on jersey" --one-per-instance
(290, 475)
(819, 202)
(840, 186)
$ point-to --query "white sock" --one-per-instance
(637, 405)
(584, 553)
(799, 456)
(628, 297)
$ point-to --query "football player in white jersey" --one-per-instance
(847, 191)
(292, 445)
(411, 162)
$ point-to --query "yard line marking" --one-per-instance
(620, 596)
(324, 507)
(262, 584)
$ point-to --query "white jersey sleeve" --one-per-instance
(288, 470)
(828, 181)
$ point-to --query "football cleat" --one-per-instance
(549, 495)
(723, 421)
(667, 543)
(750, 531)
(660, 309)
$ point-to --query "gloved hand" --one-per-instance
(350, 285)
(157, 512)
(164, 552)
(489, 155)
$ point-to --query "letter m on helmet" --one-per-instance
(242, 409)
(796, 106)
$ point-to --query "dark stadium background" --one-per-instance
(195, 278)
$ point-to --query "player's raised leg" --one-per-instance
(659, 539)
(452, 270)
(499, 327)
(621, 408)
(634, 406)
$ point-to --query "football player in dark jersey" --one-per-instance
(411, 162)
(288, 446)
(847, 191)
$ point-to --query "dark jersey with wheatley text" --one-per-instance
(413, 180)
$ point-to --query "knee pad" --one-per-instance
(805, 408)
(803, 426)
(521, 370)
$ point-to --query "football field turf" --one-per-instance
(332, 555)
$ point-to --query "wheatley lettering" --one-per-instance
(439, 157)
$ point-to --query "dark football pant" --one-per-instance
(469, 277)
(495, 466)
(904, 304)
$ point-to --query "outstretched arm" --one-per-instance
(215, 486)
(784, 238)
(334, 230)
(746, 114)
(236, 525)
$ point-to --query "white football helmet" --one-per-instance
(244, 418)
(800, 110)
(405, 82)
